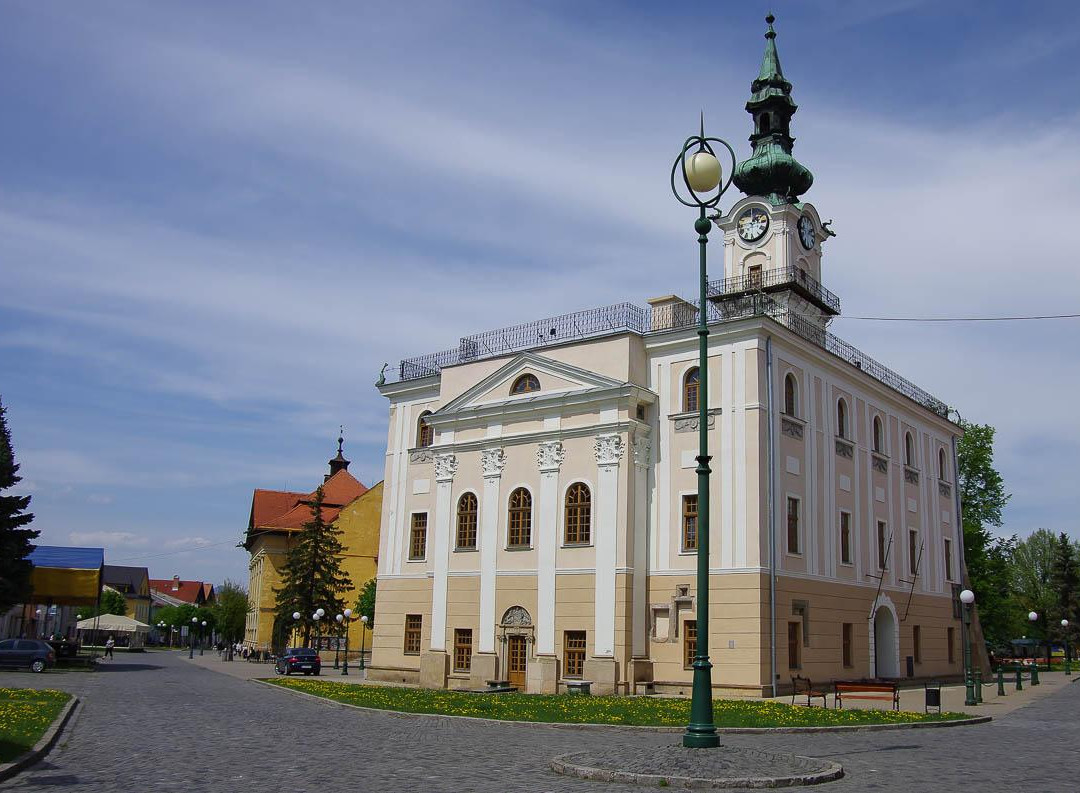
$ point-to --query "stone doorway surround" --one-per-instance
(889, 665)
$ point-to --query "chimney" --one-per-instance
(176, 583)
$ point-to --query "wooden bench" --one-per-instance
(871, 689)
(802, 686)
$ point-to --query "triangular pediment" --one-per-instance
(554, 377)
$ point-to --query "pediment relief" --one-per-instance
(554, 377)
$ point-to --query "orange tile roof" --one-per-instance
(268, 504)
(296, 517)
(189, 591)
(281, 509)
(341, 488)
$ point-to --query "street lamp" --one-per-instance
(202, 638)
(345, 618)
(1033, 617)
(191, 642)
(967, 597)
(363, 638)
(315, 618)
(702, 175)
(296, 623)
(1068, 654)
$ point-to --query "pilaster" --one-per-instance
(642, 453)
(609, 449)
(549, 458)
(492, 462)
(445, 468)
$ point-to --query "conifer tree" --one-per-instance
(15, 540)
(312, 577)
(1065, 579)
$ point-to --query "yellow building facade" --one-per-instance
(276, 519)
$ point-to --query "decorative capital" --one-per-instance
(609, 449)
(445, 467)
(642, 451)
(550, 455)
(493, 461)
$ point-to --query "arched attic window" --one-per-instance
(425, 433)
(909, 450)
(690, 390)
(791, 395)
(841, 418)
(879, 445)
(525, 384)
(941, 464)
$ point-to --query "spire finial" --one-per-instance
(340, 437)
(770, 33)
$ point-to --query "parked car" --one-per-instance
(32, 653)
(298, 659)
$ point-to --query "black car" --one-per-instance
(32, 653)
(298, 659)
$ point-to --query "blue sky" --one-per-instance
(217, 221)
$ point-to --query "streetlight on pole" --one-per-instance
(315, 618)
(296, 623)
(191, 642)
(967, 597)
(1033, 617)
(701, 176)
(1068, 653)
(363, 638)
(345, 618)
(202, 638)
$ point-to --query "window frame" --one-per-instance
(526, 383)
(882, 544)
(847, 644)
(791, 400)
(413, 632)
(845, 538)
(463, 649)
(414, 530)
(913, 548)
(942, 466)
(689, 518)
(689, 643)
(842, 418)
(572, 516)
(519, 519)
(467, 522)
(948, 558)
(425, 433)
(877, 430)
(691, 404)
(797, 526)
(574, 656)
(909, 449)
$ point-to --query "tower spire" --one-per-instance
(339, 463)
(771, 170)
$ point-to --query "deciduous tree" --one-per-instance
(230, 613)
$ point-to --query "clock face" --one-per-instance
(752, 224)
(807, 235)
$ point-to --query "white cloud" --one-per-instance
(112, 539)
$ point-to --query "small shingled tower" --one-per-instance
(771, 171)
(339, 463)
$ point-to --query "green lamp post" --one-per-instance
(1068, 653)
(967, 597)
(697, 182)
(1033, 618)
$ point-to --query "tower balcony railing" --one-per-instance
(774, 280)
(679, 315)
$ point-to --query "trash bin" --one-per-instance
(933, 696)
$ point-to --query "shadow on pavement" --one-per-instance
(120, 666)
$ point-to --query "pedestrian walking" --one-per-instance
(109, 644)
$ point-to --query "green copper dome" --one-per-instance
(771, 171)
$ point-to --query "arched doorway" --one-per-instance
(886, 652)
(517, 638)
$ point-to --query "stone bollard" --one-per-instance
(978, 685)
(1035, 674)
(1019, 678)
(1001, 680)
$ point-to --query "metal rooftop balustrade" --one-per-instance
(775, 280)
(628, 318)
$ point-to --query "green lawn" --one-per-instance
(25, 714)
(572, 708)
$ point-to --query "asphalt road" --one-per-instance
(156, 722)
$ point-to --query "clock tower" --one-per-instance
(772, 240)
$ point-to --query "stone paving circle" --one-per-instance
(677, 766)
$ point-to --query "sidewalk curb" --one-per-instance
(44, 744)
(644, 728)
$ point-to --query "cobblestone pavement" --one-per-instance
(158, 722)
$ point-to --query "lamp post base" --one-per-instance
(701, 731)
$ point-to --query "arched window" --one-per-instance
(425, 433)
(519, 531)
(690, 390)
(841, 418)
(525, 384)
(577, 528)
(941, 464)
(878, 440)
(466, 521)
(791, 395)
(909, 450)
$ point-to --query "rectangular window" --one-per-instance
(689, 523)
(845, 538)
(882, 544)
(948, 560)
(950, 639)
(916, 644)
(689, 643)
(462, 649)
(792, 525)
(573, 654)
(848, 635)
(912, 550)
(413, 624)
(793, 644)
(754, 276)
(418, 537)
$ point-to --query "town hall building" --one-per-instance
(539, 519)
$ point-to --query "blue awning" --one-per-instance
(67, 558)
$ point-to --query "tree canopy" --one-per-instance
(112, 602)
(16, 541)
(230, 613)
(365, 602)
